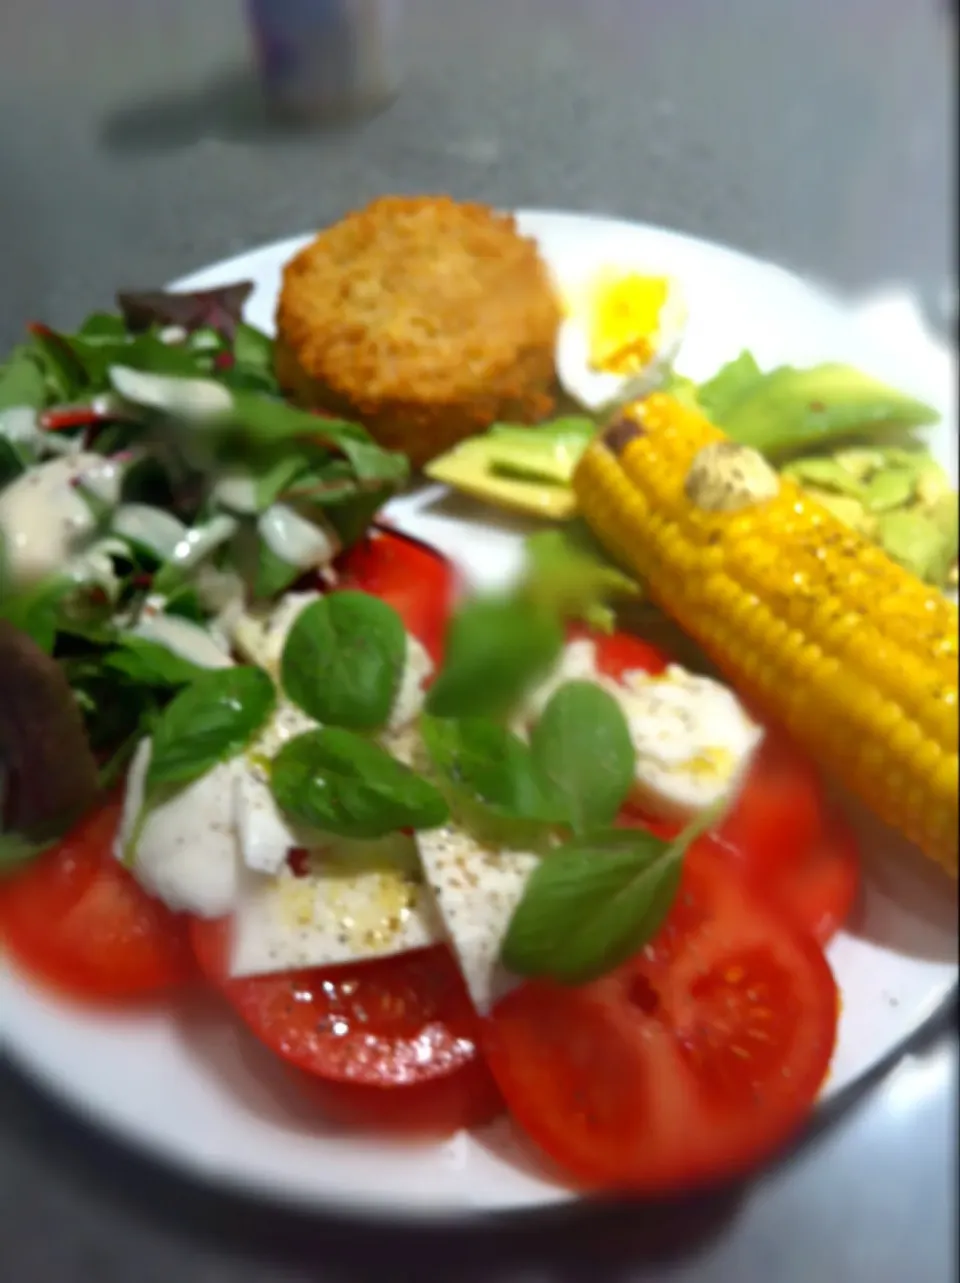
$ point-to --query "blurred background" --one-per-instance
(134, 146)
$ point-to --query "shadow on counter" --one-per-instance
(230, 106)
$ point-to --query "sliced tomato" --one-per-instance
(619, 653)
(418, 582)
(76, 920)
(781, 811)
(784, 835)
(687, 1066)
(394, 1042)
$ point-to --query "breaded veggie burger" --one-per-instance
(424, 318)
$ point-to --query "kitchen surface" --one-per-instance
(817, 133)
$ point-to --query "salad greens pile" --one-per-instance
(205, 491)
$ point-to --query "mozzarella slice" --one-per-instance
(187, 854)
(693, 738)
(477, 889)
(694, 741)
(417, 668)
(355, 901)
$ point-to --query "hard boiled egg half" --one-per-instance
(621, 331)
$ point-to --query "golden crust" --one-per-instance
(425, 318)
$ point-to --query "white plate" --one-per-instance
(191, 1088)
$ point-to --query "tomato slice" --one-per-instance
(687, 1066)
(367, 1030)
(619, 653)
(418, 582)
(781, 811)
(76, 920)
(784, 835)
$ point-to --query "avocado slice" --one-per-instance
(470, 468)
(792, 410)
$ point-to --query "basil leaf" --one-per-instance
(151, 664)
(587, 908)
(567, 573)
(209, 721)
(22, 381)
(494, 651)
(343, 660)
(731, 383)
(372, 463)
(484, 765)
(337, 782)
(590, 905)
(582, 746)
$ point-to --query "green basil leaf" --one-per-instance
(582, 746)
(568, 573)
(590, 905)
(337, 782)
(22, 381)
(268, 419)
(210, 721)
(483, 764)
(495, 650)
(343, 660)
(151, 664)
(731, 383)
(371, 462)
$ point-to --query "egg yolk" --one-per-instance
(625, 322)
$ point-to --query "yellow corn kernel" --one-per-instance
(851, 652)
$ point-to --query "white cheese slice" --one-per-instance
(355, 901)
(693, 738)
(187, 853)
(477, 889)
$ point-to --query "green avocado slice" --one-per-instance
(792, 410)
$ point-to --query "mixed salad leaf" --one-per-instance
(202, 492)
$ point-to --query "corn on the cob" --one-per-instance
(851, 652)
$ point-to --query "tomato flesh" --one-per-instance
(77, 921)
(419, 583)
(367, 1029)
(696, 1060)
(619, 653)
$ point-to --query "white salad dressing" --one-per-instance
(44, 519)
(295, 540)
(184, 638)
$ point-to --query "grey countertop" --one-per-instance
(815, 132)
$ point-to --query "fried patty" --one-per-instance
(424, 318)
